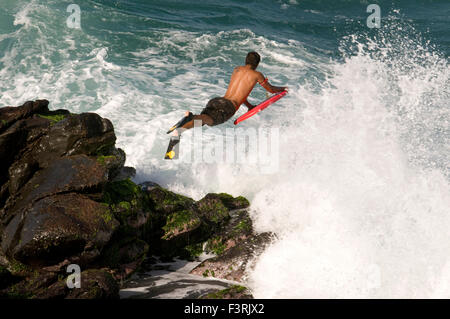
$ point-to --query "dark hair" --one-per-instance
(253, 59)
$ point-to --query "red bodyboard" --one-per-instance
(260, 107)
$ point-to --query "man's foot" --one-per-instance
(172, 149)
(186, 119)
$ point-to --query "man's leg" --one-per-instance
(205, 119)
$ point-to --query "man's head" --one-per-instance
(252, 59)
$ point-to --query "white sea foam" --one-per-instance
(357, 214)
(21, 17)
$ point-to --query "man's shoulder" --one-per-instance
(259, 76)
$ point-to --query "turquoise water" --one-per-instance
(361, 194)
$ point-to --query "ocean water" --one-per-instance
(360, 199)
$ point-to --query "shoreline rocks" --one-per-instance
(67, 198)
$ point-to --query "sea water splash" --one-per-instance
(362, 208)
(360, 202)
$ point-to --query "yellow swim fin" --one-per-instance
(173, 148)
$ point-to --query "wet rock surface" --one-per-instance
(67, 198)
(233, 262)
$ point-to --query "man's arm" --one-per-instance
(267, 86)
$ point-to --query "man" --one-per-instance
(221, 109)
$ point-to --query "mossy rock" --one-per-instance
(180, 222)
(232, 203)
(126, 200)
(121, 191)
(95, 284)
(233, 292)
(192, 251)
(238, 228)
(216, 245)
(28, 288)
(54, 116)
(105, 160)
(19, 269)
(6, 278)
(184, 235)
(123, 251)
(212, 210)
(166, 202)
(104, 150)
(113, 162)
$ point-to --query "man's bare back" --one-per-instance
(221, 109)
(242, 82)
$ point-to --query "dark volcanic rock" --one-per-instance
(85, 133)
(16, 138)
(6, 278)
(10, 114)
(67, 174)
(95, 284)
(229, 201)
(56, 227)
(238, 229)
(233, 292)
(125, 172)
(16, 129)
(29, 287)
(124, 255)
(128, 203)
(55, 166)
(180, 226)
(77, 173)
(166, 202)
(232, 264)
(114, 163)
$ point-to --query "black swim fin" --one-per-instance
(183, 121)
(173, 148)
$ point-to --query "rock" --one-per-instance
(212, 211)
(85, 133)
(173, 221)
(30, 287)
(15, 139)
(239, 228)
(231, 202)
(114, 162)
(125, 255)
(165, 202)
(148, 186)
(57, 226)
(53, 116)
(233, 292)
(10, 114)
(128, 203)
(20, 173)
(186, 224)
(95, 284)
(183, 233)
(232, 264)
(125, 172)
(55, 167)
(67, 174)
(6, 278)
